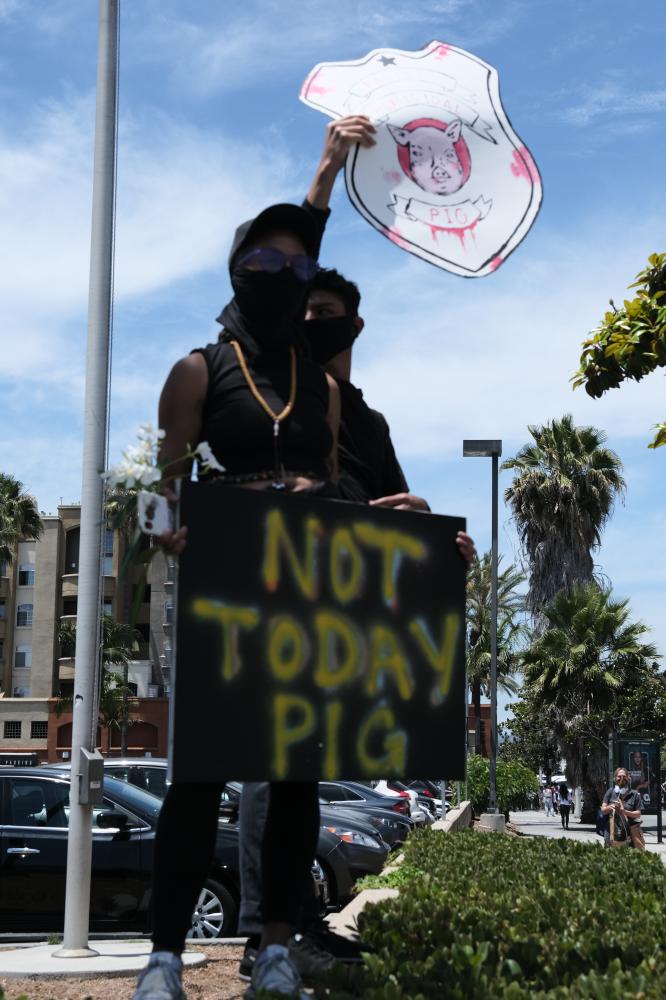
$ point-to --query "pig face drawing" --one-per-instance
(433, 154)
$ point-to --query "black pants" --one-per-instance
(253, 814)
(185, 845)
(564, 816)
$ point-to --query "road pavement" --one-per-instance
(536, 824)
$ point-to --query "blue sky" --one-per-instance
(211, 130)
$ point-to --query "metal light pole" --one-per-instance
(86, 779)
(491, 449)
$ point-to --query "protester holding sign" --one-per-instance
(271, 418)
(369, 472)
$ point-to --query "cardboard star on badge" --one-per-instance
(448, 180)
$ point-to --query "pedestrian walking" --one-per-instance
(565, 806)
(556, 799)
(548, 800)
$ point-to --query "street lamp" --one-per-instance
(491, 449)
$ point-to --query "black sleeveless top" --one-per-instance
(239, 430)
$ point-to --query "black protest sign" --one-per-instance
(316, 639)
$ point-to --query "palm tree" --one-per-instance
(576, 672)
(19, 516)
(510, 628)
(563, 493)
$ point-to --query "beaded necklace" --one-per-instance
(277, 418)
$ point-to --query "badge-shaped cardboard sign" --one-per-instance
(448, 180)
(316, 640)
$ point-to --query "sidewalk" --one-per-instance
(537, 824)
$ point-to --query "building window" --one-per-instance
(133, 689)
(39, 730)
(26, 576)
(3, 568)
(21, 692)
(24, 616)
(69, 606)
(72, 550)
(107, 605)
(2, 650)
(108, 552)
(23, 656)
(3, 610)
(12, 730)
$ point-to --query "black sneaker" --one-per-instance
(343, 949)
(247, 962)
(310, 959)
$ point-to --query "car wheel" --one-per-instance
(215, 914)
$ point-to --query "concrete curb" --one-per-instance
(115, 958)
(459, 818)
(346, 921)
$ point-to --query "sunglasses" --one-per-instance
(273, 261)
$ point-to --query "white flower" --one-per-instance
(204, 453)
(138, 466)
(149, 475)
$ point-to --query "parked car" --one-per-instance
(393, 787)
(34, 816)
(431, 791)
(341, 859)
(360, 796)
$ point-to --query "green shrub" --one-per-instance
(485, 917)
(514, 783)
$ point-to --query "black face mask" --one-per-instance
(329, 336)
(270, 304)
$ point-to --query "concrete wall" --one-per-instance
(26, 711)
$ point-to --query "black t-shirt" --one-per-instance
(631, 800)
(368, 465)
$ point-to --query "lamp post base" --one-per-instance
(492, 822)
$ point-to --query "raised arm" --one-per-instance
(341, 135)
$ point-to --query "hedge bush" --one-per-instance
(514, 782)
(487, 916)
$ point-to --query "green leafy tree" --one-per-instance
(578, 670)
(510, 627)
(528, 736)
(562, 495)
(19, 516)
(630, 342)
(516, 784)
(119, 642)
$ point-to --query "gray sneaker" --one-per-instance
(275, 973)
(161, 979)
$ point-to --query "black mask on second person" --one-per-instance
(270, 304)
(329, 336)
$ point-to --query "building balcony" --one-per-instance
(4, 586)
(66, 668)
(70, 585)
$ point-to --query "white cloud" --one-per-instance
(612, 100)
(181, 191)
(229, 52)
(446, 359)
(8, 8)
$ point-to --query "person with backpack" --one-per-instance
(622, 805)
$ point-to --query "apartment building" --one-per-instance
(38, 591)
